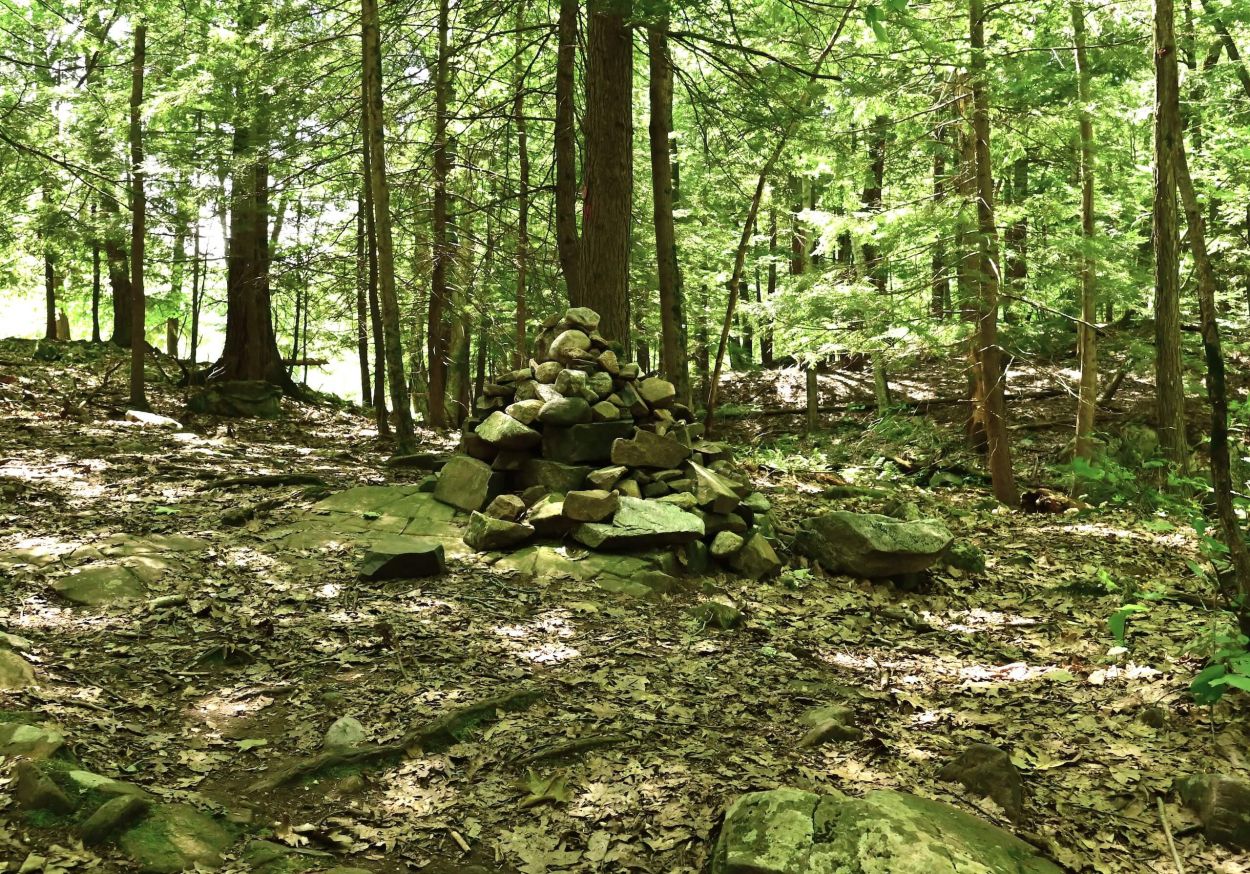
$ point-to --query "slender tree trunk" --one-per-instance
(568, 242)
(1169, 385)
(940, 284)
(375, 305)
(874, 264)
(138, 207)
(1087, 336)
(1017, 235)
(609, 165)
(459, 328)
(197, 289)
(362, 304)
(405, 438)
(95, 279)
(520, 352)
(766, 335)
(438, 331)
(49, 291)
(672, 306)
(1217, 392)
(988, 365)
(1230, 47)
(798, 234)
(749, 223)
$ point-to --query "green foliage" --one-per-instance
(1228, 668)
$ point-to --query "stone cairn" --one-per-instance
(581, 445)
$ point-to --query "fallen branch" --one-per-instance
(431, 737)
(568, 748)
(265, 479)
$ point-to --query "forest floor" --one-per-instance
(195, 696)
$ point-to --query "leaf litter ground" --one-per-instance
(647, 724)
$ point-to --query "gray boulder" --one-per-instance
(868, 545)
(565, 412)
(657, 392)
(554, 476)
(525, 412)
(591, 505)
(582, 318)
(485, 534)
(639, 523)
(505, 432)
(35, 790)
(789, 831)
(580, 443)
(756, 559)
(547, 372)
(176, 837)
(15, 671)
(711, 490)
(569, 345)
(509, 507)
(464, 482)
(648, 449)
(571, 383)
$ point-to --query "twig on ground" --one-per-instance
(1167, 832)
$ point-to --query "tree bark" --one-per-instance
(438, 331)
(380, 413)
(663, 145)
(405, 438)
(987, 362)
(1087, 335)
(1169, 385)
(1243, 76)
(138, 221)
(568, 241)
(1217, 393)
(520, 352)
(95, 278)
(766, 333)
(798, 234)
(874, 264)
(197, 288)
(49, 292)
(609, 165)
(940, 283)
(362, 305)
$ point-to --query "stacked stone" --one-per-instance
(581, 445)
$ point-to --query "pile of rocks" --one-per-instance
(581, 445)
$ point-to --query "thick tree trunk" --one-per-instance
(609, 165)
(1169, 385)
(987, 362)
(520, 352)
(49, 293)
(1217, 393)
(672, 305)
(438, 332)
(197, 289)
(138, 222)
(405, 438)
(1087, 335)
(568, 242)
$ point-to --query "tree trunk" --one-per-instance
(1217, 393)
(197, 289)
(766, 332)
(1169, 385)
(798, 234)
(95, 279)
(1087, 335)
(520, 352)
(375, 306)
(874, 264)
(405, 438)
(940, 283)
(49, 292)
(1234, 56)
(987, 362)
(1017, 236)
(438, 331)
(568, 242)
(138, 220)
(663, 149)
(362, 304)
(609, 165)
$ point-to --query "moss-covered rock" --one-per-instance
(789, 831)
(176, 837)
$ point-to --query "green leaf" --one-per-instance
(1203, 688)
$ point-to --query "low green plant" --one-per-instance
(1228, 668)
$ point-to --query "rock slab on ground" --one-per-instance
(176, 837)
(641, 523)
(1223, 806)
(985, 770)
(397, 558)
(789, 831)
(868, 545)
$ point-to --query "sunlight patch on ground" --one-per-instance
(40, 615)
(971, 621)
